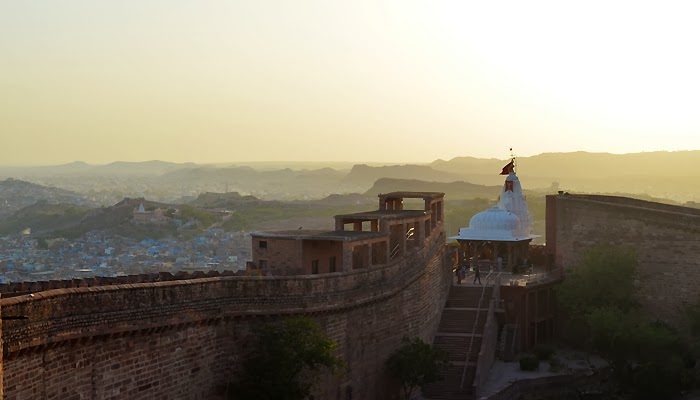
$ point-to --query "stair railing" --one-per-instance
(395, 251)
(476, 323)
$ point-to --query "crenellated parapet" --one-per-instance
(13, 289)
(79, 312)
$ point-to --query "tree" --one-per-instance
(603, 278)
(286, 361)
(415, 364)
(599, 300)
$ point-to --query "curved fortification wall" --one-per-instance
(184, 338)
(665, 237)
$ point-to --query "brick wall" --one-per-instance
(666, 239)
(281, 255)
(183, 338)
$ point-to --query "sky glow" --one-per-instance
(227, 81)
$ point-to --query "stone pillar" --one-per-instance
(403, 239)
(494, 262)
(339, 224)
(511, 262)
(420, 231)
(387, 251)
(375, 225)
(369, 253)
(357, 226)
(347, 257)
(461, 253)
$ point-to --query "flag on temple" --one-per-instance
(508, 168)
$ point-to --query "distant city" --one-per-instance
(80, 220)
(98, 254)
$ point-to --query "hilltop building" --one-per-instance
(143, 216)
(499, 236)
(360, 240)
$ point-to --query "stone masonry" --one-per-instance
(666, 239)
(184, 339)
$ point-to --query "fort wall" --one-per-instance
(666, 239)
(184, 338)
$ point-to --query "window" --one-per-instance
(262, 244)
(262, 264)
(314, 267)
(331, 264)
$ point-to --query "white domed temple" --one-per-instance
(506, 311)
(500, 236)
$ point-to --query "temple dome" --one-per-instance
(494, 219)
(507, 221)
(495, 223)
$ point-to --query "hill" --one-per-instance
(79, 168)
(16, 194)
(660, 174)
(278, 184)
(43, 217)
(452, 190)
(221, 200)
(364, 176)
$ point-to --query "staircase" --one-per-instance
(459, 333)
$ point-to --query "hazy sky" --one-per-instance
(400, 81)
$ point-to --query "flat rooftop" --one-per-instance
(385, 214)
(412, 195)
(310, 234)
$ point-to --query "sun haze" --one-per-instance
(213, 81)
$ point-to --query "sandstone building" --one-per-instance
(373, 238)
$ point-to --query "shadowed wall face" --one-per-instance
(666, 239)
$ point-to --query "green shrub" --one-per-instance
(529, 362)
(555, 365)
(286, 361)
(544, 351)
(415, 364)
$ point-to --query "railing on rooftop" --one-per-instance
(532, 278)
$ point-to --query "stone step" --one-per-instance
(467, 297)
(449, 386)
(457, 334)
(456, 347)
(461, 321)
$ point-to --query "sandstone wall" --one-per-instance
(183, 339)
(665, 237)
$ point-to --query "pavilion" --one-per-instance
(499, 236)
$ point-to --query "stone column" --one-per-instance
(403, 239)
(511, 262)
(421, 233)
(494, 262)
(387, 251)
(369, 253)
(347, 257)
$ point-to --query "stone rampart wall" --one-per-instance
(13, 289)
(666, 239)
(184, 338)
